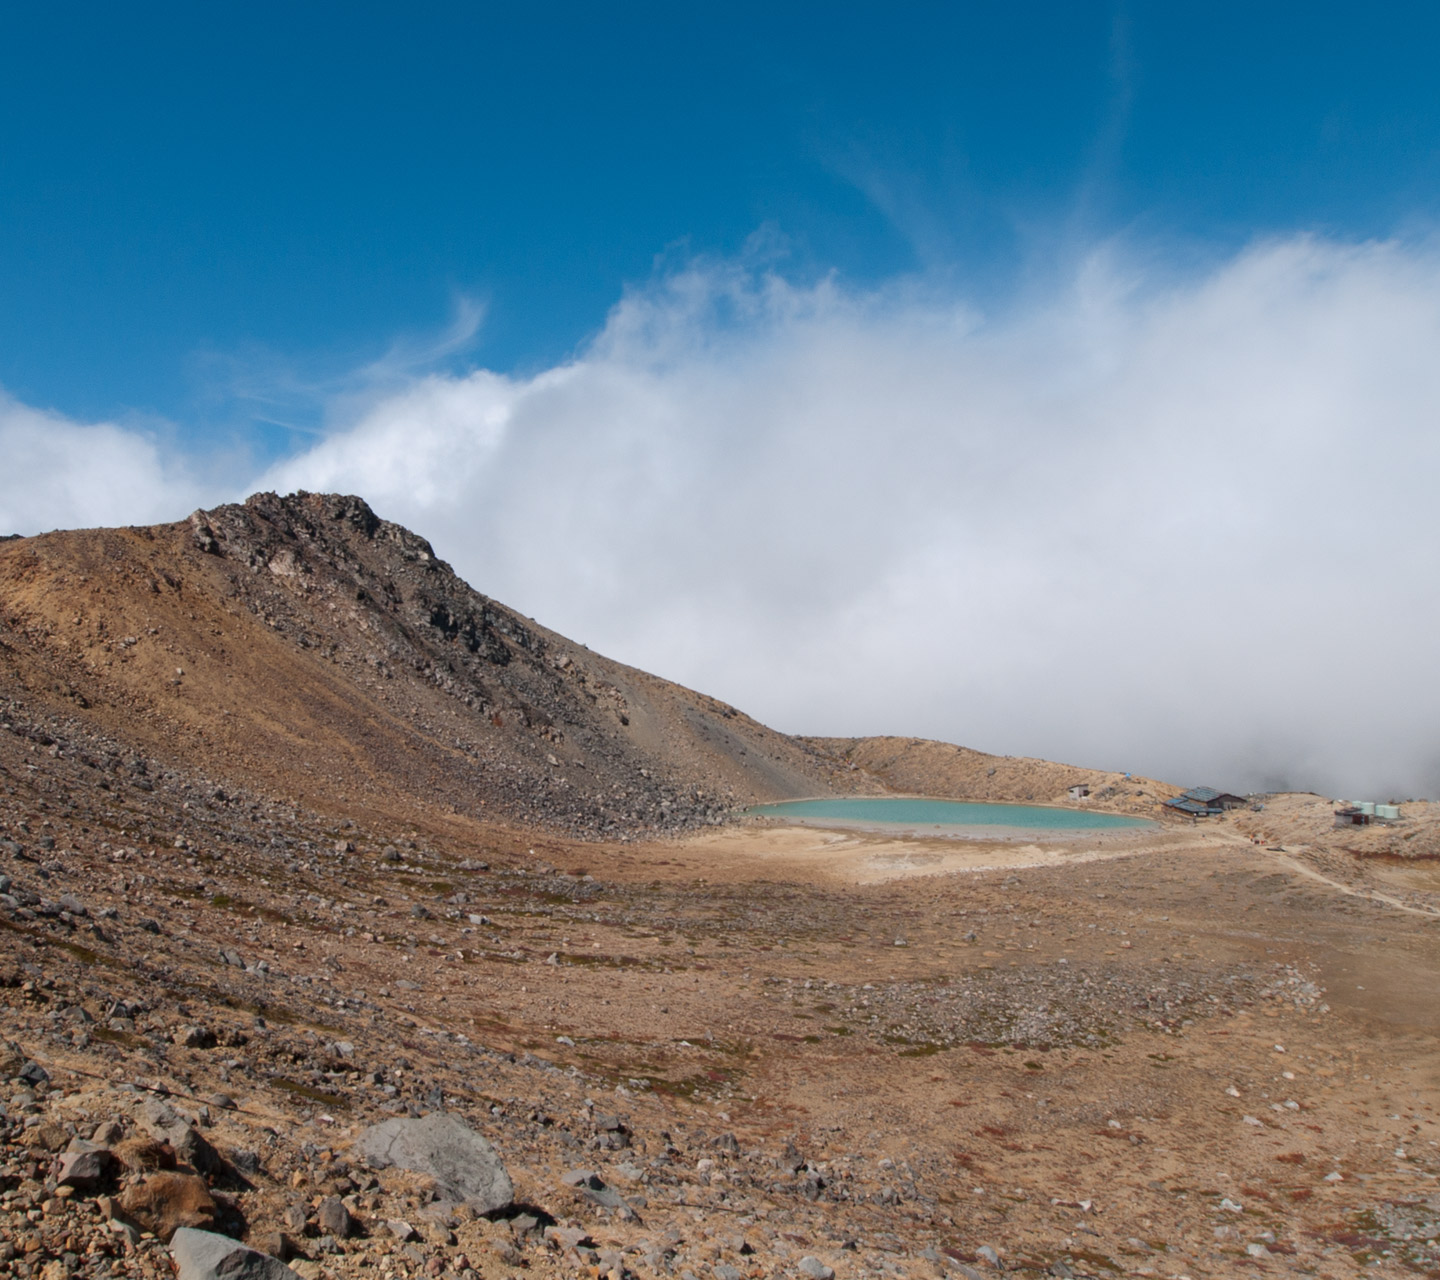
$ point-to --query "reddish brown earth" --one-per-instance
(297, 874)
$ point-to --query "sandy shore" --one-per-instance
(866, 854)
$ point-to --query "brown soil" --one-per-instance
(1142, 1054)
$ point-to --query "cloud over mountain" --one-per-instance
(61, 474)
(1180, 524)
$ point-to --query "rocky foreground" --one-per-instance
(1179, 1062)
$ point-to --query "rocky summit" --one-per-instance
(354, 926)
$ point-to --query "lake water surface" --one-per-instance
(910, 811)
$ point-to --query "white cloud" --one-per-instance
(62, 474)
(1186, 527)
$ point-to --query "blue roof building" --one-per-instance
(1205, 802)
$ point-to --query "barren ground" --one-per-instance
(1143, 1058)
(290, 839)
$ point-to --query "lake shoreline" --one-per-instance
(929, 817)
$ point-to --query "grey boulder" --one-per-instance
(441, 1145)
(593, 1187)
(204, 1255)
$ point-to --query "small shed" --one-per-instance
(1079, 791)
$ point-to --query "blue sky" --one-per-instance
(988, 372)
(191, 194)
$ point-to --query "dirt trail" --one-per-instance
(1373, 895)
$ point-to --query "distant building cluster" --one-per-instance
(1362, 813)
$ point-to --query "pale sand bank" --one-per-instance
(858, 856)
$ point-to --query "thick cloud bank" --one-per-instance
(1186, 529)
(60, 474)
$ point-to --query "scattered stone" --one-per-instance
(203, 1255)
(122, 1226)
(85, 1169)
(274, 1242)
(564, 1238)
(464, 1165)
(108, 1133)
(815, 1269)
(333, 1218)
(593, 1187)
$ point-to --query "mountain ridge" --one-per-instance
(305, 646)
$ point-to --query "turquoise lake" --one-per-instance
(898, 811)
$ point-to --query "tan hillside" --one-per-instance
(306, 646)
(920, 766)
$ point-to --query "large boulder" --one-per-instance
(203, 1255)
(464, 1165)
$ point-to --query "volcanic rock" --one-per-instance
(203, 1255)
(464, 1165)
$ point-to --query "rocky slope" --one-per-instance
(921, 766)
(305, 645)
